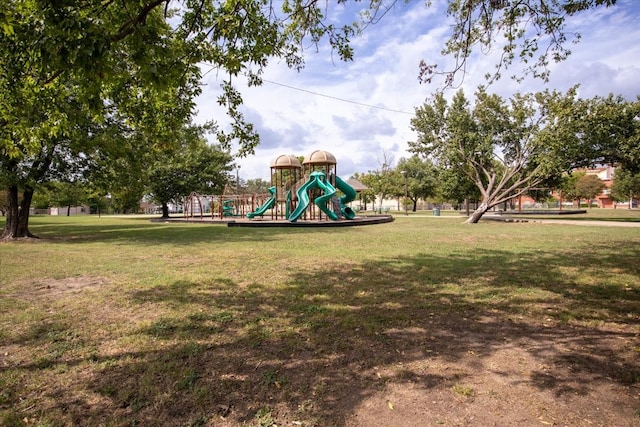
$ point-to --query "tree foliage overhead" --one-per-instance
(531, 32)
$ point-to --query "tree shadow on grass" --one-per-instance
(154, 233)
(314, 349)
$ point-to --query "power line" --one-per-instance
(336, 98)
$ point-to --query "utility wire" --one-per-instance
(324, 95)
(336, 98)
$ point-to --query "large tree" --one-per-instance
(495, 143)
(78, 81)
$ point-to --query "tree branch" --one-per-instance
(129, 27)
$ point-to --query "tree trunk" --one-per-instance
(165, 210)
(477, 214)
(17, 224)
(69, 210)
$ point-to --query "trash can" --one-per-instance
(436, 212)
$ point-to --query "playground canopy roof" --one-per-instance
(320, 157)
(286, 162)
(356, 185)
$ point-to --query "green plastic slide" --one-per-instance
(270, 203)
(316, 180)
(349, 196)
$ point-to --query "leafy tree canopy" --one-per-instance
(626, 185)
(196, 167)
(420, 178)
(497, 144)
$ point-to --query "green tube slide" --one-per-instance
(316, 180)
(349, 196)
(271, 201)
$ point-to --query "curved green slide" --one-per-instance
(349, 196)
(271, 201)
(316, 180)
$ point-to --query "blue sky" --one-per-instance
(360, 111)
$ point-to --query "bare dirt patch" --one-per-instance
(504, 374)
(55, 288)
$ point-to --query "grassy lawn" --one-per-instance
(120, 321)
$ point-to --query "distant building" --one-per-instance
(73, 210)
(606, 175)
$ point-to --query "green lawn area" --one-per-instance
(121, 321)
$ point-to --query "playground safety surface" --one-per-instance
(255, 222)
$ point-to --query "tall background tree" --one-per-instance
(194, 167)
(626, 187)
(420, 179)
(588, 187)
(608, 130)
(257, 186)
(456, 187)
(495, 143)
(365, 196)
(68, 195)
(383, 183)
(569, 186)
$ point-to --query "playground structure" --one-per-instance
(307, 190)
(226, 205)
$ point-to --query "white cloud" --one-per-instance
(384, 75)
